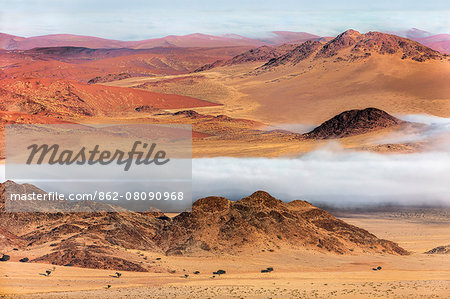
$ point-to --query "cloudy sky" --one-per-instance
(136, 19)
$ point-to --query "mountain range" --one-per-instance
(11, 42)
(440, 42)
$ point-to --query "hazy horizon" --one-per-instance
(137, 20)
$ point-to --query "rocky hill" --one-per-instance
(79, 239)
(261, 222)
(109, 78)
(439, 250)
(351, 45)
(262, 54)
(354, 122)
(298, 54)
(215, 225)
(8, 239)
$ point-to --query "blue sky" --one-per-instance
(134, 20)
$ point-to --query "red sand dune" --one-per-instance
(69, 98)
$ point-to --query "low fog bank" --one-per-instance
(436, 132)
(329, 177)
(424, 119)
(333, 177)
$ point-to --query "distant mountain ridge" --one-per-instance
(12, 42)
(437, 42)
(411, 33)
(440, 42)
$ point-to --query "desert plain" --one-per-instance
(297, 273)
(362, 93)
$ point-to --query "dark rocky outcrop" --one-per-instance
(262, 222)
(439, 250)
(263, 54)
(215, 225)
(109, 78)
(354, 122)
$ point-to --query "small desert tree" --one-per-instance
(5, 258)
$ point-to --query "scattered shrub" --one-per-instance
(220, 272)
(5, 258)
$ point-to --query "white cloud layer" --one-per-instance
(339, 177)
(331, 176)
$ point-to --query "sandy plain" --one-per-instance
(297, 274)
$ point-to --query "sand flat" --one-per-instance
(297, 273)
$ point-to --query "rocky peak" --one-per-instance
(261, 198)
(350, 33)
(353, 122)
(343, 40)
(210, 204)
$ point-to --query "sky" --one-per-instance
(136, 19)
